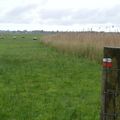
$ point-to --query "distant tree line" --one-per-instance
(28, 32)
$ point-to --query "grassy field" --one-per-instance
(86, 44)
(39, 83)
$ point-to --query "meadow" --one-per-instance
(84, 44)
(38, 82)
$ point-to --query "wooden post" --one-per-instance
(111, 84)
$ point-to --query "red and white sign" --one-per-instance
(107, 62)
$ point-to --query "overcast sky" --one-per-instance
(58, 14)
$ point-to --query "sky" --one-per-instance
(66, 15)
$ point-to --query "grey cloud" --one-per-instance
(20, 10)
(81, 16)
(22, 14)
(44, 2)
(54, 14)
(18, 14)
(58, 17)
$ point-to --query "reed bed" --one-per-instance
(86, 44)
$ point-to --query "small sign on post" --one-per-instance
(111, 84)
(107, 62)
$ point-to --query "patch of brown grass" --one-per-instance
(86, 44)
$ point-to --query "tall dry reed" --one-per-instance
(86, 44)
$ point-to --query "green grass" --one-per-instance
(39, 83)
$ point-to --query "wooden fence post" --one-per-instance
(111, 84)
